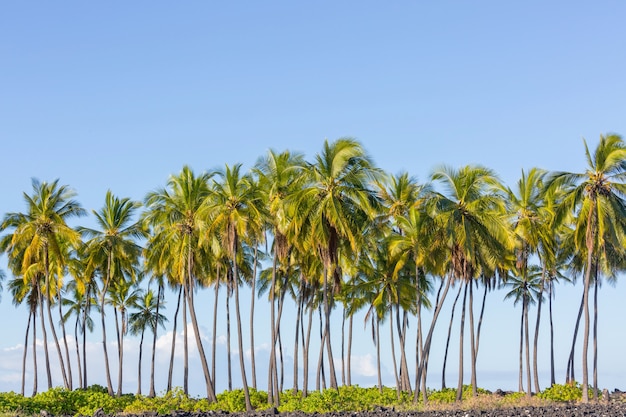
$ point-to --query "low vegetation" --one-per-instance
(59, 401)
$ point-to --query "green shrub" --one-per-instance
(562, 392)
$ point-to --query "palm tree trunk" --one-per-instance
(474, 351)
(378, 368)
(104, 332)
(272, 364)
(343, 345)
(214, 339)
(445, 356)
(139, 365)
(228, 354)
(480, 320)
(552, 374)
(67, 349)
(120, 350)
(590, 240)
(349, 358)
(393, 357)
(172, 350)
(281, 303)
(244, 380)
(459, 388)
(297, 341)
(185, 344)
(520, 384)
(595, 338)
(528, 381)
(45, 342)
(305, 355)
(252, 298)
(80, 374)
(30, 316)
(49, 311)
(83, 326)
(151, 392)
(569, 377)
(331, 362)
(536, 340)
(423, 362)
(35, 371)
(320, 358)
(196, 329)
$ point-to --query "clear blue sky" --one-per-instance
(119, 95)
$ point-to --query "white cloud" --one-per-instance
(364, 365)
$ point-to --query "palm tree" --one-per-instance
(524, 286)
(597, 195)
(123, 294)
(113, 253)
(531, 223)
(146, 316)
(333, 210)
(471, 210)
(233, 211)
(280, 175)
(38, 238)
(174, 215)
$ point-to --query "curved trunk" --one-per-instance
(120, 358)
(297, 341)
(172, 350)
(139, 365)
(305, 356)
(331, 362)
(45, 342)
(50, 321)
(244, 380)
(423, 363)
(67, 349)
(320, 358)
(590, 240)
(393, 357)
(480, 321)
(445, 356)
(30, 316)
(569, 377)
(104, 332)
(80, 374)
(595, 338)
(151, 392)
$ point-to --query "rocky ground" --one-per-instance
(612, 409)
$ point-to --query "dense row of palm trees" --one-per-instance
(335, 232)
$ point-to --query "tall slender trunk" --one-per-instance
(552, 373)
(331, 362)
(297, 341)
(105, 288)
(393, 357)
(520, 382)
(83, 326)
(244, 380)
(185, 343)
(214, 341)
(151, 392)
(139, 365)
(252, 298)
(343, 345)
(50, 321)
(45, 341)
(173, 348)
(528, 380)
(459, 388)
(570, 364)
(120, 355)
(228, 353)
(480, 321)
(473, 349)
(272, 365)
(320, 358)
(590, 240)
(80, 374)
(24, 355)
(35, 371)
(378, 368)
(445, 356)
(196, 330)
(305, 355)
(349, 358)
(281, 303)
(423, 362)
(67, 349)
(595, 338)
(536, 340)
